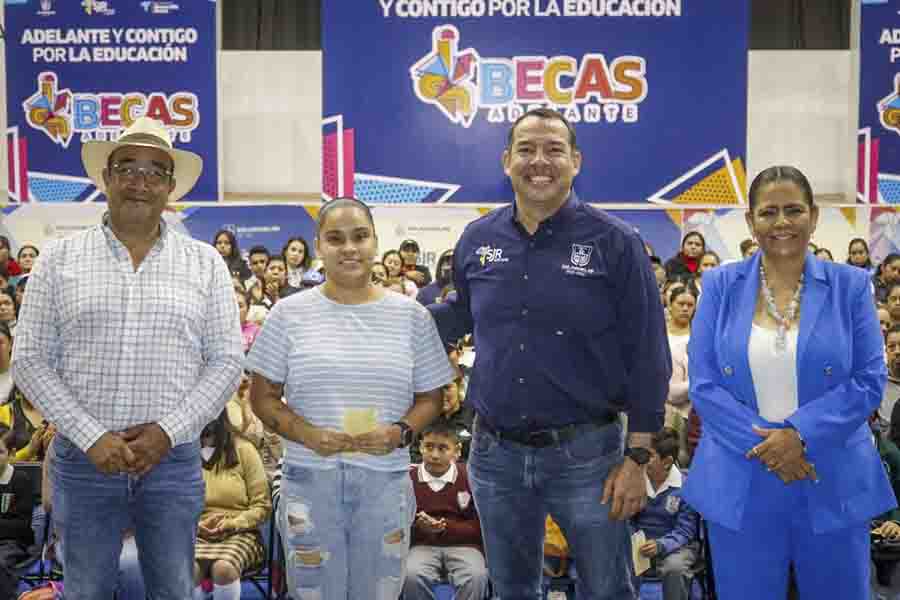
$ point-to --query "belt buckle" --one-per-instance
(543, 438)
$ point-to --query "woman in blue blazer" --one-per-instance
(787, 362)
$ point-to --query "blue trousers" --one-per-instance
(516, 486)
(753, 563)
(91, 511)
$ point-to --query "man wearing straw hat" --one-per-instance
(129, 342)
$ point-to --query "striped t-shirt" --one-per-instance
(333, 358)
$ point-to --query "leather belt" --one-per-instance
(541, 438)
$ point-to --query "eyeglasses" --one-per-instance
(151, 175)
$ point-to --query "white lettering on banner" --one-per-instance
(97, 37)
(419, 9)
(122, 54)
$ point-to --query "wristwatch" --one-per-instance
(639, 455)
(406, 433)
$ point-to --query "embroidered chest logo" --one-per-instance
(673, 503)
(489, 254)
(463, 498)
(579, 260)
(581, 254)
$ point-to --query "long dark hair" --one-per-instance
(224, 454)
(307, 258)
(235, 254)
(865, 244)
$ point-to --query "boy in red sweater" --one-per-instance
(446, 535)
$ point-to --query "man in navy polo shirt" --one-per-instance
(569, 332)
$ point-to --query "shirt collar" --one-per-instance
(448, 477)
(7, 474)
(674, 481)
(565, 214)
(111, 236)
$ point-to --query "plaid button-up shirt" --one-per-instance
(100, 346)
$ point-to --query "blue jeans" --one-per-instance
(345, 532)
(516, 486)
(91, 512)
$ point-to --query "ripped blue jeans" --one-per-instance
(345, 532)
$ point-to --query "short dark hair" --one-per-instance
(441, 427)
(258, 250)
(826, 251)
(25, 247)
(745, 245)
(713, 254)
(895, 328)
(665, 443)
(890, 288)
(543, 113)
(777, 174)
(343, 202)
(655, 260)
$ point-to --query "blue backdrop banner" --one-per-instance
(419, 95)
(879, 103)
(80, 70)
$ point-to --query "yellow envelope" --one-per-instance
(641, 562)
(360, 420)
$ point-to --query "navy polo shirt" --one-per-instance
(568, 322)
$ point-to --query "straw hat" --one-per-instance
(151, 134)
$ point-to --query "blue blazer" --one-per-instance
(841, 374)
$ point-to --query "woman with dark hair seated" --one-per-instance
(687, 262)
(858, 254)
(887, 274)
(237, 503)
(227, 245)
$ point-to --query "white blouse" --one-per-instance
(774, 375)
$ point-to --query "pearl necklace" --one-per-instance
(783, 320)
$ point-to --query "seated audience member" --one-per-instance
(249, 329)
(9, 310)
(884, 319)
(891, 301)
(12, 267)
(886, 413)
(26, 256)
(687, 261)
(446, 535)
(247, 425)
(227, 245)
(20, 290)
(297, 259)
(29, 435)
(709, 260)
(858, 254)
(887, 274)
(237, 503)
(824, 254)
(276, 286)
(670, 525)
(659, 271)
(748, 247)
(17, 503)
(418, 274)
(393, 262)
(682, 305)
(379, 273)
(443, 276)
(6, 380)
(259, 260)
(886, 574)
